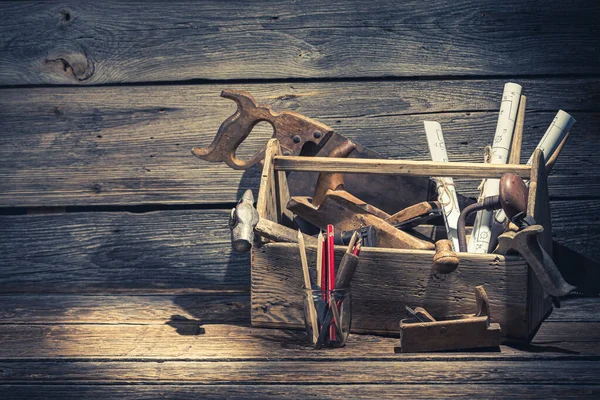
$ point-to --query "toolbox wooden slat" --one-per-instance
(385, 280)
(399, 167)
(85, 42)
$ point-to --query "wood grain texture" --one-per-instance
(538, 207)
(385, 281)
(305, 372)
(172, 252)
(131, 145)
(213, 342)
(125, 309)
(182, 391)
(196, 308)
(88, 43)
(179, 252)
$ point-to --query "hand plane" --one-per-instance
(300, 135)
(422, 333)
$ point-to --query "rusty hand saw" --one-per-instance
(300, 135)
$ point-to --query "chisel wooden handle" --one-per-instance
(346, 270)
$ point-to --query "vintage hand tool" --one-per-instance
(332, 181)
(445, 259)
(513, 200)
(525, 242)
(293, 131)
(244, 222)
(419, 313)
(300, 135)
(422, 333)
(415, 215)
(343, 211)
(368, 234)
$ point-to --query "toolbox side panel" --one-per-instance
(386, 280)
(538, 306)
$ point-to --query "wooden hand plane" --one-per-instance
(422, 333)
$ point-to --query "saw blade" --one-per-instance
(389, 193)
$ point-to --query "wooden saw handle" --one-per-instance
(292, 130)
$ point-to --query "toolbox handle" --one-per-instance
(398, 167)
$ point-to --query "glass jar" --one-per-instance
(331, 312)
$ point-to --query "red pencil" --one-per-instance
(324, 268)
(330, 272)
(356, 250)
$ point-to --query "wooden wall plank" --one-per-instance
(212, 342)
(175, 252)
(131, 145)
(190, 308)
(305, 372)
(84, 42)
(125, 309)
(412, 391)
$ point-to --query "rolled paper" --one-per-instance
(556, 132)
(444, 185)
(481, 235)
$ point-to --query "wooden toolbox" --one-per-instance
(388, 279)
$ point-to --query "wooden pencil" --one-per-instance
(312, 312)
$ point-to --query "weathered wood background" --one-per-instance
(115, 263)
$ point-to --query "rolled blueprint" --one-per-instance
(444, 186)
(556, 132)
(480, 237)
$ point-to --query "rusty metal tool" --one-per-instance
(343, 211)
(513, 199)
(526, 243)
(244, 222)
(293, 131)
(422, 333)
(300, 135)
(368, 234)
(419, 313)
(414, 215)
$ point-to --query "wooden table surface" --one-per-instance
(116, 275)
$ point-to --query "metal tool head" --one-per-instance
(526, 243)
(513, 195)
(242, 221)
(293, 131)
